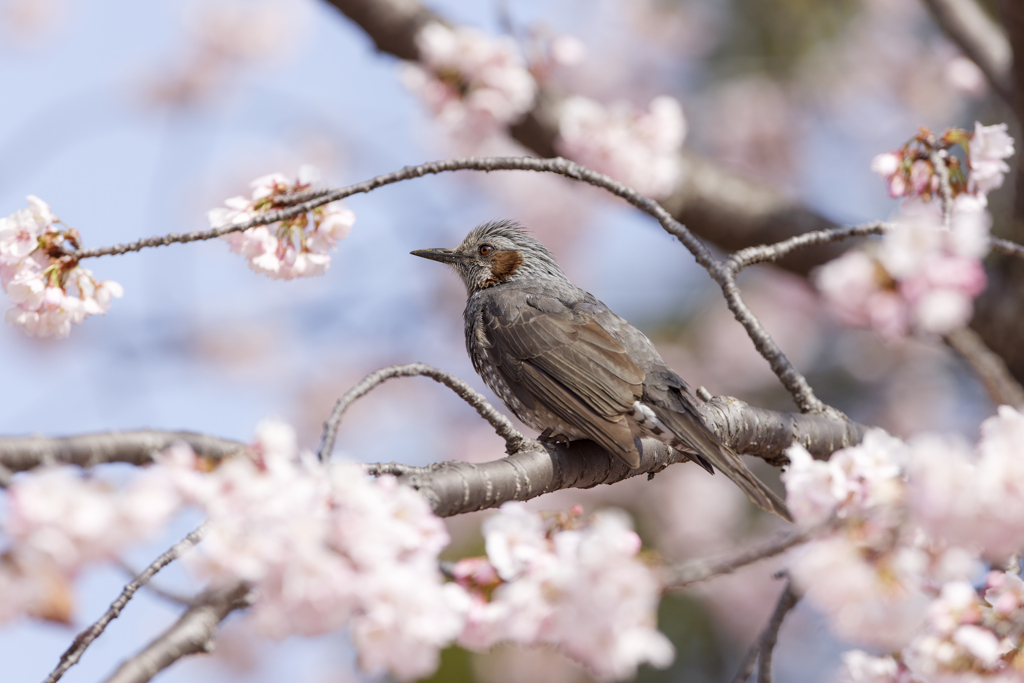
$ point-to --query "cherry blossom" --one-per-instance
(926, 272)
(990, 146)
(580, 587)
(972, 497)
(48, 288)
(296, 247)
(873, 573)
(325, 547)
(639, 148)
(473, 84)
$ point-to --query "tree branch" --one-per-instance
(514, 441)
(190, 634)
(791, 379)
(86, 637)
(982, 40)
(702, 570)
(1001, 386)
(18, 454)
(787, 601)
(773, 252)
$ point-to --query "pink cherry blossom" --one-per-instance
(50, 293)
(580, 588)
(473, 84)
(71, 520)
(639, 148)
(297, 247)
(860, 667)
(990, 146)
(923, 276)
(972, 498)
(326, 547)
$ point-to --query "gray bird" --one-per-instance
(566, 365)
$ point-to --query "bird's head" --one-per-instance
(495, 253)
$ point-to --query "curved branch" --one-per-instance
(18, 454)
(514, 441)
(86, 637)
(791, 379)
(192, 633)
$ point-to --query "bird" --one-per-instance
(569, 367)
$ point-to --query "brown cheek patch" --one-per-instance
(503, 265)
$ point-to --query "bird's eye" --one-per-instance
(485, 249)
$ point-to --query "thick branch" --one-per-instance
(192, 633)
(982, 40)
(514, 441)
(18, 454)
(457, 487)
(86, 637)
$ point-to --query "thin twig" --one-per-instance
(787, 601)
(190, 634)
(938, 159)
(1002, 387)
(514, 441)
(86, 637)
(1006, 247)
(702, 570)
(170, 596)
(773, 252)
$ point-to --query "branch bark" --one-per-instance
(192, 633)
(18, 454)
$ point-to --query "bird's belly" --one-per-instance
(538, 417)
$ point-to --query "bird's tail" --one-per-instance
(698, 437)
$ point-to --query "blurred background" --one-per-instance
(133, 119)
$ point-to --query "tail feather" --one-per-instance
(694, 434)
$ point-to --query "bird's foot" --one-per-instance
(547, 436)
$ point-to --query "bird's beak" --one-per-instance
(442, 255)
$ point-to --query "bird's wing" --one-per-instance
(570, 365)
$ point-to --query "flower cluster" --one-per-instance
(972, 498)
(296, 247)
(59, 521)
(873, 573)
(639, 148)
(967, 637)
(50, 291)
(927, 269)
(326, 547)
(473, 84)
(579, 587)
(907, 524)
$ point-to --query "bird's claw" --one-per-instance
(547, 436)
